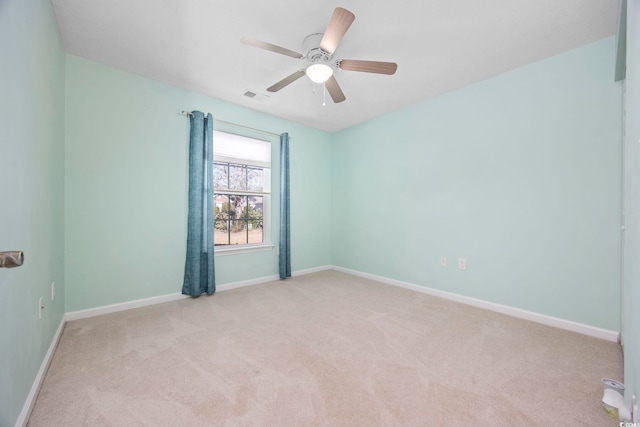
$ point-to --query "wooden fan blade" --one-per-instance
(334, 90)
(286, 81)
(368, 66)
(340, 22)
(271, 47)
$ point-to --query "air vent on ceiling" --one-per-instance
(255, 96)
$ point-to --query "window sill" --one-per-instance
(242, 249)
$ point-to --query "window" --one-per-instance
(242, 187)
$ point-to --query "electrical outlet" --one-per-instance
(443, 261)
(462, 263)
(53, 291)
(40, 308)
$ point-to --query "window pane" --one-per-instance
(220, 176)
(222, 207)
(221, 232)
(255, 179)
(255, 232)
(237, 177)
(238, 205)
(238, 232)
(255, 208)
(255, 218)
(221, 222)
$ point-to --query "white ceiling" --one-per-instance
(439, 45)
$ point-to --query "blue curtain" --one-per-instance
(285, 229)
(199, 272)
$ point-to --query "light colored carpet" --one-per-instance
(325, 349)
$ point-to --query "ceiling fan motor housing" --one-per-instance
(314, 53)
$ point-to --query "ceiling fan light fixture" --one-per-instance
(319, 73)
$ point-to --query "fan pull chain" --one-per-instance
(324, 96)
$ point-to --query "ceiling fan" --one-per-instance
(320, 64)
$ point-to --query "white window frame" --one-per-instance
(266, 199)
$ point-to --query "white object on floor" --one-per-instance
(613, 400)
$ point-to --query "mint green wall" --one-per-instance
(520, 174)
(32, 193)
(126, 188)
(631, 297)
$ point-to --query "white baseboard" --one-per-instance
(511, 311)
(112, 308)
(128, 305)
(23, 418)
(569, 325)
(311, 270)
(243, 283)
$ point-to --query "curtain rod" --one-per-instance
(188, 113)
